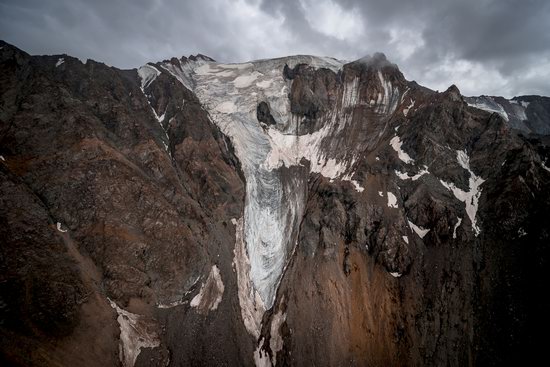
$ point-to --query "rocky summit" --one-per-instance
(299, 211)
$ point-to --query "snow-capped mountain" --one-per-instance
(290, 211)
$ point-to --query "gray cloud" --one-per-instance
(499, 47)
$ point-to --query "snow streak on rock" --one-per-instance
(252, 306)
(276, 339)
(470, 197)
(135, 333)
(388, 101)
(211, 292)
(396, 144)
(408, 108)
(350, 96)
(59, 61)
(421, 232)
(60, 229)
(147, 74)
(459, 221)
(392, 200)
(405, 176)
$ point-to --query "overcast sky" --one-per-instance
(496, 47)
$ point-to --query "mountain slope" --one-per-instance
(293, 211)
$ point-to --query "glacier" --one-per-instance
(275, 200)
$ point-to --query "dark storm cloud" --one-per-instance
(484, 46)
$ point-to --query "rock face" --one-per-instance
(293, 211)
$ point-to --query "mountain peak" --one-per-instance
(453, 93)
(377, 60)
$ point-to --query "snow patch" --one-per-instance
(60, 229)
(470, 197)
(406, 239)
(396, 144)
(405, 176)
(392, 200)
(350, 96)
(395, 274)
(276, 340)
(459, 221)
(408, 108)
(261, 358)
(387, 102)
(60, 61)
(160, 118)
(136, 332)
(381, 194)
(211, 292)
(357, 186)
(421, 232)
(171, 304)
(289, 150)
(147, 74)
